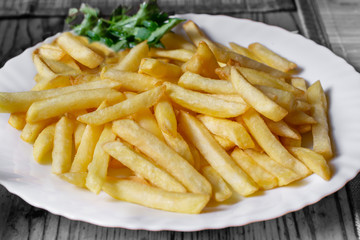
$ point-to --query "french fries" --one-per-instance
(171, 128)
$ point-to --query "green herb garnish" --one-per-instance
(122, 31)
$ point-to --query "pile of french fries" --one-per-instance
(171, 128)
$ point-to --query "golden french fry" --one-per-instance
(313, 160)
(63, 145)
(159, 69)
(127, 107)
(131, 61)
(302, 106)
(284, 98)
(76, 178)
(299, 118)
(158, 151)
(175, 41)
(281, 128)
(225, 143)
(243, 51)
(176, 54)
(51, 51)
(228, 129)
(262, 134)
(97, 47)
(143, 167)
(304, 128)
(31, 130)
(221, 191)
(197, 133)
(146, 120)
(78, 132)
(97, 169)
(203, 103)
(42, 69)
(17, 120)
(256, 77)
(290, 142)
(203, 62)
(197, 82)
(139, 193)
(224, 55)
(271, 58)
(283, 174)
(299, 83)
(263, 178)
(72, 101)
(179, 145)
(129, 80)
(165, 116)
(256, 98)
(20, 101)
(77, 50)
(60, 67)
(320, 131)
(57, 82)
(44, 143)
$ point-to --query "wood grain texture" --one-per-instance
(331, 218)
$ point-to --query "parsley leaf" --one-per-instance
(123, 31)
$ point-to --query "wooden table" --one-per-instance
(335, 24)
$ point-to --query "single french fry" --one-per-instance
(76, 178)
(143, 167)
(203, 103)
(77, 50)
(225, 143)
(290, 142)
(243, 51)
(44, 143)
(86, 78)
(176, 54)
(283, 174)
(31, 130)
(320, 131)
(146, 120)
(284, 98)
(299, 83)
(63, 145)
(131, 61)
(165, 116)
(228, 129)
(97, 169)
(304, 128)
(271, 58)
(302, 106)
(57, 82)
(60, 67)
(51, 51)
(197, 82)
(221, 191)
(72, 101)
(78, 132)
(129, 80)
(20, 101)
(158, 151)
(281, 128)
(127, 107)
(197, 133)
(42, 69)
(313, 160)
(159, 69)
(17, 120)
(299, 118)
(256, 98)
(263, 178)
(175, 41)
(203, 62)
(179, 145)
(135, 192)
(262, 134)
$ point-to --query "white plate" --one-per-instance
(21, 175)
